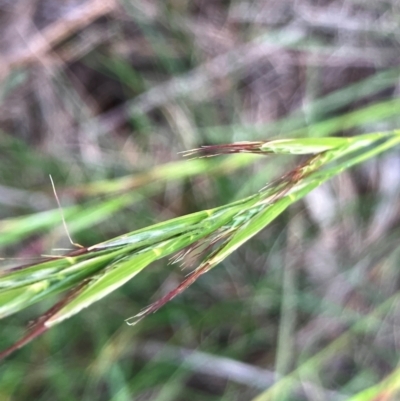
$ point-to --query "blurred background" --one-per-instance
(104, 94)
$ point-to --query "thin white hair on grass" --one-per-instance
(62, 215)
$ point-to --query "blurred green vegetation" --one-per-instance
(307, 309)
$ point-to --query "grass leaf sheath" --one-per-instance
(87, 275)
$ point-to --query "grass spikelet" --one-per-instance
(89, 274)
